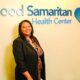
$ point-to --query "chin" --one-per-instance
(27, 34)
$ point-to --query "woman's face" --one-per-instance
(26, 29)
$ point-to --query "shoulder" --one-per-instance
(17, 43)
(18, 39)
(34, 38)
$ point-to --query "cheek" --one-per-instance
(30, 29)
(22, 30)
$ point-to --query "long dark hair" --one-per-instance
(19, 29)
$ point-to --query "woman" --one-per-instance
(28, 54)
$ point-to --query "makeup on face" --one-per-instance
(26, 29)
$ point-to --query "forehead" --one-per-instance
(25, 24)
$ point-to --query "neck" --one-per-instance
(27, 37)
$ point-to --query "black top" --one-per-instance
(27, 59)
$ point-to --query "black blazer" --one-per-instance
(26, 59)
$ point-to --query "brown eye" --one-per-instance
(29, 26)
(23, 26)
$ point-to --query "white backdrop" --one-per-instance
(61, 42)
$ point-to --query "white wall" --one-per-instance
(61, 43)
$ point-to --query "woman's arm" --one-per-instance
(18, 55)
(27, 75)
(19, 58)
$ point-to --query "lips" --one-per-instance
(27, 31)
